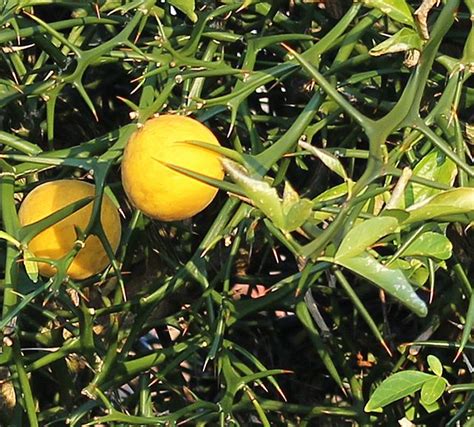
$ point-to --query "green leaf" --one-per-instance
(435, 365)
(403, 40)
(414, 269)
(399, 214)
(449, 206)
(365, 234)
(396, 387)
(398, 10)
(392, 281)
(31, 267)
(431, 407)
(430, 244)
(401, 263)
(436, 167)
(260, 192)
(419, 272)
(185, 6)
(290, 198)
(295, 210)
(432, 390)
(298, 214)
(329, 160)
(332, 193)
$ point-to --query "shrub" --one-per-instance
(336, 252)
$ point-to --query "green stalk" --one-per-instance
(12, 226)
(27, 395)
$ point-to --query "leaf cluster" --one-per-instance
(341, 232)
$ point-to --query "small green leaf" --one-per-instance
(295, 210)
(260, 192)
(401, 263)
(396, 387)
(430, 244)
(330, 160)
(398, 10)
(399, 214)
(432, 390)
(332, 193)
(436, 167)
(31, 267)
(450, 205)
(185, 6)
(431, 407)
(403, 40)
(392, 281)
(298, 214)
(435, 365)
(365, 234)
(419, 272)
(414, 269)
(290, 198)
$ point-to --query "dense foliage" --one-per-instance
(339, 238)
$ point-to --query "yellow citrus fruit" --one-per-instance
(57, 240)
(154, 188)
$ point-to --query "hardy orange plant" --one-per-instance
(228, 212)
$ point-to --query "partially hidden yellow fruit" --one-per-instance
(153, 187)
(57, 240)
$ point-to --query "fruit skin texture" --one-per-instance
(159, 191)
(57, 240)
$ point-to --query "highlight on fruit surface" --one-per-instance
(59, 239)
(154, 187)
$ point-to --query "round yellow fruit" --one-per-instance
(153, 187)
(57, 240)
